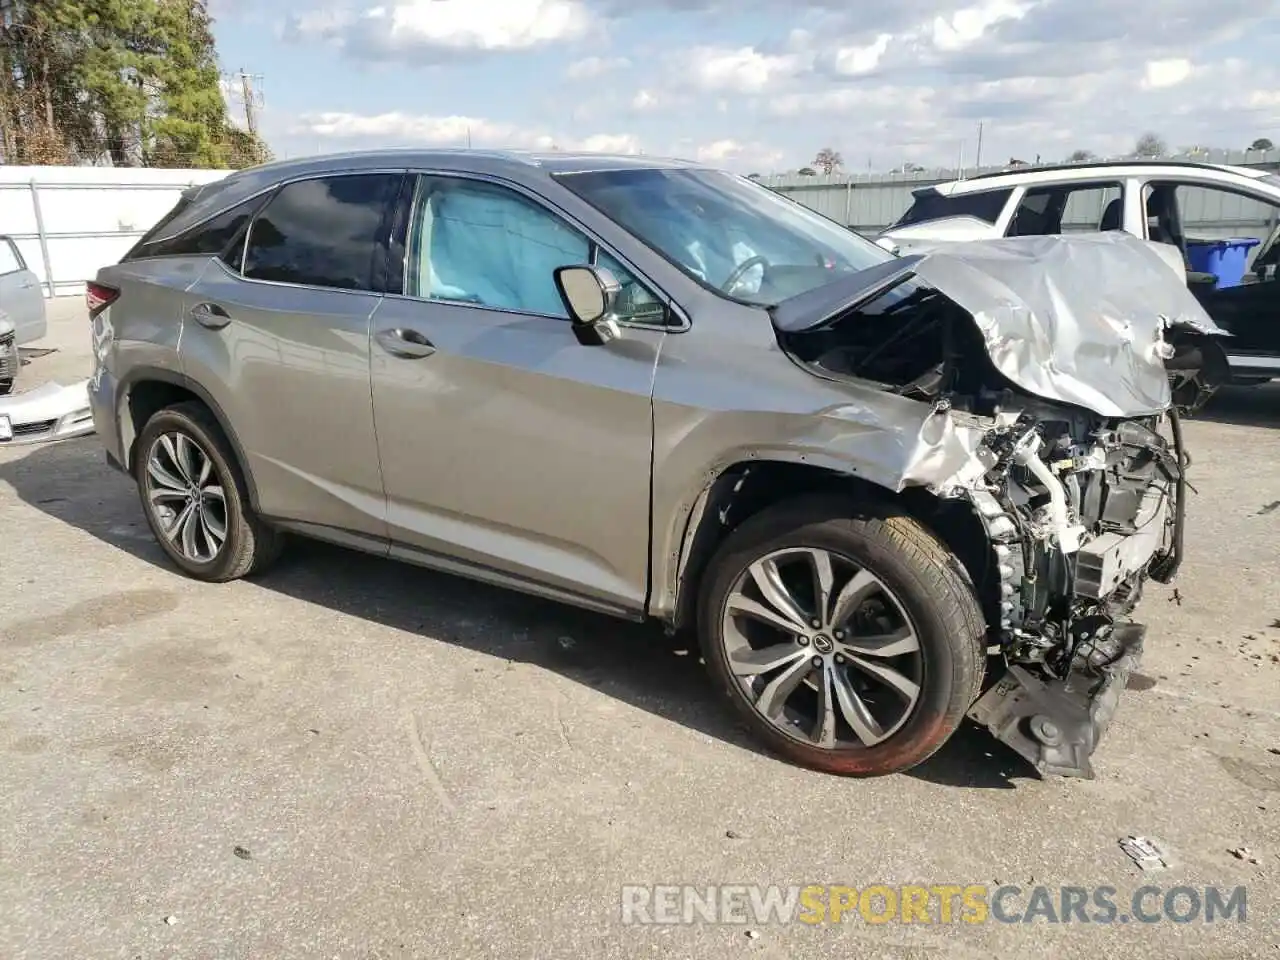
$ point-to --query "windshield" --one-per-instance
(730, 234)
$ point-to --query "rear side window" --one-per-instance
(209, 238)
(931, 205)
(323, 232)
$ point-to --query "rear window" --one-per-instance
(932, 205)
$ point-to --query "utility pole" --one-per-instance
(242, 86)
(977, 159)
(250, 114)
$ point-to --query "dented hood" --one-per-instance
(1079, 319)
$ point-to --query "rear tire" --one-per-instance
(195, 497)
(887, 664)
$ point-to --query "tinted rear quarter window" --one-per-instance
(932, 205)
(206, 239)
(138, 249)
(322, 232)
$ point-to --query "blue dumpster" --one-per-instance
(1225, 259)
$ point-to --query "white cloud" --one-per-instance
(403, 129)
(452, 131)
(607, 143)
(969, 24)
(731, 153)
(644, 100)
(719, 151)
(744, 70)
(852, 61)
(1166, 73)
(446, 26)
(592, 67)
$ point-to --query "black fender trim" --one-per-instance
(144, 374)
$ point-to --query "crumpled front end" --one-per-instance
(1056, 370)
(1080, 512)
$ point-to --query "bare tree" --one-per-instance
(828, 160)
(1262, 145)
(1150, 146)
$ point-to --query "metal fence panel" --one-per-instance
(69, 221)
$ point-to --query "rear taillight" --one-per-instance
(98, 296)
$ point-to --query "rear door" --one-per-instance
(277, 330)
(20, 294)
(505, 443)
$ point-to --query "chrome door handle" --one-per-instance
(409, 344)
(210, 315)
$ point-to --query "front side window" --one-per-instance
(484, 244)
(1192, 215)
(728, 233)
(322, 232)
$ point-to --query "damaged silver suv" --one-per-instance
(885, 492)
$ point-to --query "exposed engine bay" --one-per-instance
(1080, 507)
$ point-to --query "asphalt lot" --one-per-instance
(412, 765)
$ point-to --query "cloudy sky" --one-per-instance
(761, 85)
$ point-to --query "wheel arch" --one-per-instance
(743, 489)
(147, 390)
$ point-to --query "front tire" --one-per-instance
(195, 497)
(849, 638)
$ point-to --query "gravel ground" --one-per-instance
(351, 758)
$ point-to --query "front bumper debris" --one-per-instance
(1057, 724)
(49, 412)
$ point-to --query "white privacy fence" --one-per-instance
(69, 221)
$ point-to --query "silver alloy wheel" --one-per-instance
(822, 648)
(186, 498)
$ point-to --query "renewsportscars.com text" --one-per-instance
(933, 904)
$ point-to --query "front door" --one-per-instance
(20, 294)
(278, 331)
(1249, 308)
(506, 445)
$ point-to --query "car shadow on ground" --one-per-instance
(1257, 406)
(636, 663)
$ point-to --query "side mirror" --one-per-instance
(589, 295)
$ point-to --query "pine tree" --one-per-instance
(132, 81)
